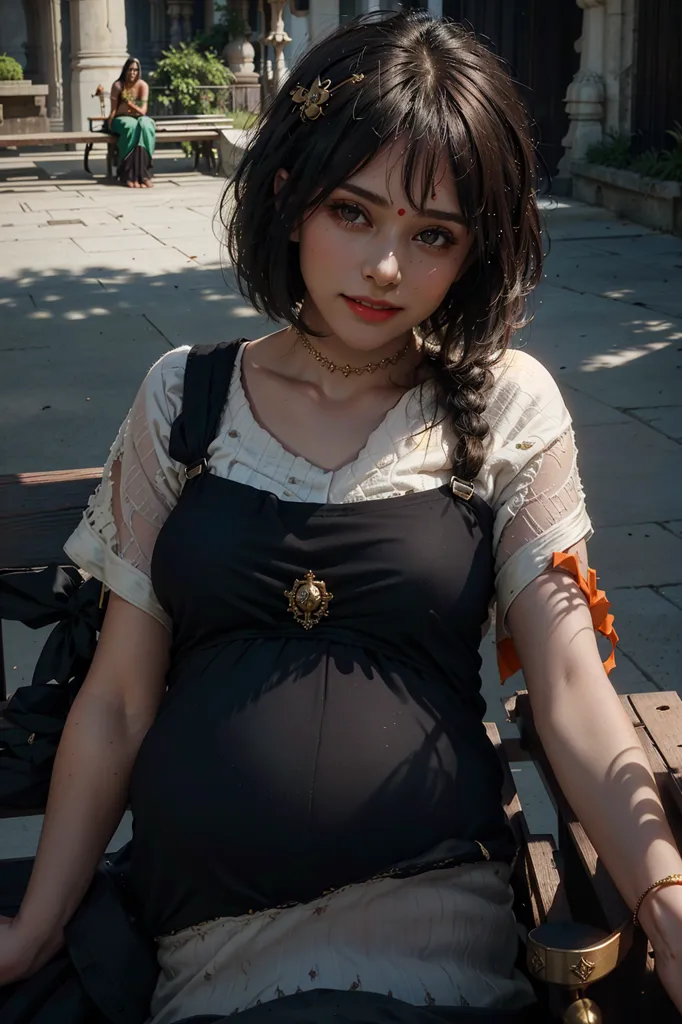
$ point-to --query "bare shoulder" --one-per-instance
(267, 352)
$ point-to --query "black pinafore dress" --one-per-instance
(323, 719)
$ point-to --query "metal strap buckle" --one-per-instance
(461, 489)
(196, 469)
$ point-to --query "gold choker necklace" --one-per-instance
(346, 370)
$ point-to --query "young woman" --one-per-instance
(303, 537)
(136, 131)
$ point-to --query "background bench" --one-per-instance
(562, 890)
(200, 130)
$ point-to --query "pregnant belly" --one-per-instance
(278, 769)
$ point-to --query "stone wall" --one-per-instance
(23, 108)
(13, 30)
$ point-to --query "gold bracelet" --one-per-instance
(662, 883)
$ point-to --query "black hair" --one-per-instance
(430, 81)
(124, 70)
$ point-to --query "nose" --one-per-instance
(382, 269)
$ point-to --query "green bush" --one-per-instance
(614, 151)
(664, 164)
(10, 69)
(181, 78)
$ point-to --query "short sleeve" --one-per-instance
(115, 539)
(543, 511)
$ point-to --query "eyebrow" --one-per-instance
(373, 197)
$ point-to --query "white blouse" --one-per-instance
(529, 477)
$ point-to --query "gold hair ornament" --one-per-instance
(312, 101)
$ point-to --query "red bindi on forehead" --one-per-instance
(401, 212)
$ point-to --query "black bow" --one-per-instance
(33, 720)
(56, 594)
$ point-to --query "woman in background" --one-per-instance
(136, 131)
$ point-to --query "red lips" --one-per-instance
(378, 312)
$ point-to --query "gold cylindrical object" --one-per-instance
(583, 1011)
(574, 955)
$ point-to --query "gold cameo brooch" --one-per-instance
(308, 600)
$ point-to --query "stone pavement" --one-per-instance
(96, 282)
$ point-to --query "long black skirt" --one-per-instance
(136, 167)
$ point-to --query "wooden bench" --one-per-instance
(577, 931)
(201, 130)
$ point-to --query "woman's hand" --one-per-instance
(661, 918)
(21, 954)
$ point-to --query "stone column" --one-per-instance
(300, 39)
(585, 97)
(33, 48)
(52, 63)
(157, 28)
(619, 60)
(278, 38)
(266, 72)
(240, 56)
(175, 15)
(98, 51)
(187, 10)
(323, 18)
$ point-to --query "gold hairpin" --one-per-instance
(312, 100)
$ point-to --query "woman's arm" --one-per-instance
(103, 733)
(115, 100)
(597, 757)
(140, 107)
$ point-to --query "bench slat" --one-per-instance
(668, 782)
(548, 897)
(196, 133)
(662, 715)
(38, 511)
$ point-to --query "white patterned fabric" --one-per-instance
(530, 475)
(444, 938)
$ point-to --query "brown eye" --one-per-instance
(350, 213)
(436, 238)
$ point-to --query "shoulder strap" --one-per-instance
(207, 381)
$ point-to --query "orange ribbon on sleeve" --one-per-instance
(508, 660)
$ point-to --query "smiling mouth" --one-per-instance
(384, 306)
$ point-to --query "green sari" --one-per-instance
(136, 143)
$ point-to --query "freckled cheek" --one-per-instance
(324, 247)
(431, 281)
